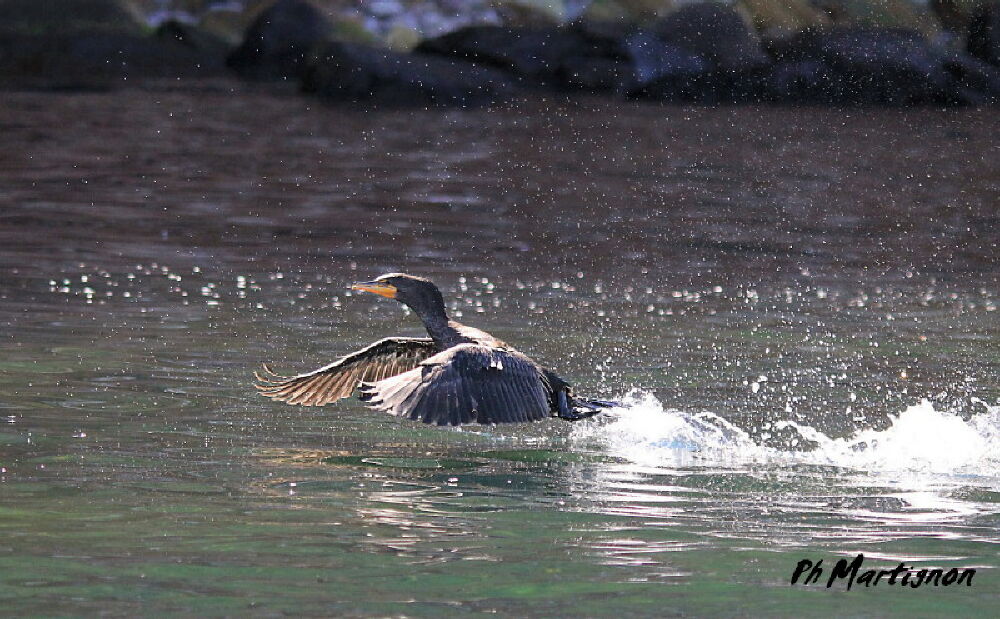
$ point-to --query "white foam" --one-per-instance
(921, 439)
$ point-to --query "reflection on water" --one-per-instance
(801, 303)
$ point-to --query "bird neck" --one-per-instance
(439, 327)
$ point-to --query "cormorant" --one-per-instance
(458, 375)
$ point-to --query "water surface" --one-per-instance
(798, 307)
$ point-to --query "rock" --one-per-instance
(640, 13)
(384, 8)
(608, 57)
(99, 46)
(861, 65)
(213, 48)
(905, 14)
(607, 31)
(277, 43)
(705, 53)
(595, 74)
(348, 29)
(849, 65)
(230, 26)
(714, 31)
(534, 55)
(52, 17)
(984, 32)
(347, 72)
(775, 18)
(954, 15)
(596, 60)
(87, 61)
(802, 81)
(977, 82)
(713, 87)
(231, 20)
(428, 18)
(156, 12)
(529, 14)
(401, 39)
(653, 59)
(531, 52)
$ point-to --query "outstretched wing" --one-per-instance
(382, 359)
(464, 384)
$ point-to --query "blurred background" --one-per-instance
(769, 228)
(894, 52)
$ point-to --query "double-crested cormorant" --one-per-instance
(458, 375)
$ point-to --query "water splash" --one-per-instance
(922, 439)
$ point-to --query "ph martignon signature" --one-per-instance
(902, 575)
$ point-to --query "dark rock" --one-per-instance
(903, 14)
(95, 60)
(558, 57)
(984, 33)
(653, 59)
(715, 32)
(953, 14)
(595, 74)
(861, 65)
(99, 47)
(277, 44)
(608, 32)
(56, 17)
(977, 82)
(778, 18)
(348, 72)
(536, 54)
(801, 81)
(701, 53)
(598, 64)
(711, 87)
(212, 47)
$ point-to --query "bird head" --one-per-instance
(419, 294)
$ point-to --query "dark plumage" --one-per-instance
(458, 375)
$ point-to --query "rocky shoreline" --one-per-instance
(697, 52)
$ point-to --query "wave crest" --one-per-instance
(920, 439)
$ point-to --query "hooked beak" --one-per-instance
(380, 288)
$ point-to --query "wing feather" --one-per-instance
(326, 385)
(466, 383)
(514, 399)
(380, 361)
(497, 396)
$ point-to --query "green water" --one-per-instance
(731, 269)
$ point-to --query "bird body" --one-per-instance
(458, 375)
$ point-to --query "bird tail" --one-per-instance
(600, 403)
(580, 408)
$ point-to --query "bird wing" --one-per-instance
(380, 360)
(468, 383)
